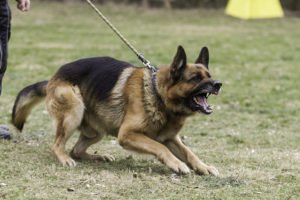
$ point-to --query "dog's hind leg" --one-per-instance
(88, 137)
(65, 105)
(63, 133)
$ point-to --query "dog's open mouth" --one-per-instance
(197, 101)
(201, 104)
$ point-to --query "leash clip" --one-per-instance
(147, 63)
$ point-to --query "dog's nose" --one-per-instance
(217, 85)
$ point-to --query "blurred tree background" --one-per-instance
(293, 5)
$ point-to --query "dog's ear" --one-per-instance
(178, 65)
(203, 57)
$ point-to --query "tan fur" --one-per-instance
(132, 113)
(65, 106)
(152, 132)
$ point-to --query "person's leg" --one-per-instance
(4, 37)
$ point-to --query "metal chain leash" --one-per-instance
(140, 56)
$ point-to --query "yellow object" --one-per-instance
(254, 9)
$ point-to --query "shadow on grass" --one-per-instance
(128, 164)
(219, 182)
(142, 168)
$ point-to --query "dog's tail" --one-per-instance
(27, 98)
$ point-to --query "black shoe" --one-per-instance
(4, 133)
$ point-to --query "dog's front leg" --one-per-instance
(142, 144)
(186, 155)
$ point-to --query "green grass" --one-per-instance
(252, 137)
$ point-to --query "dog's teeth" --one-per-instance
(195, 99)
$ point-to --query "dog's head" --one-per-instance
(190, 85)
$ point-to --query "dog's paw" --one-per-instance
(108, 158)
(180, 168)
(105, 158)
(203, 169)
(213, 171)
(183, 169)
(67, 161)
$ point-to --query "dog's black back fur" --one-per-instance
(96, 75)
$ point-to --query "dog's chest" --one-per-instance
(164, 127)
(155, 118)
(169, 130)
(160, 125)
(154, 110)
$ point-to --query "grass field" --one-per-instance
(252, 137)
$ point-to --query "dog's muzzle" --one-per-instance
(198, 101)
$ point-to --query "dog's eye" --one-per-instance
(196, 78)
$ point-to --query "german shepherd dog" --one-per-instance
(144, 110)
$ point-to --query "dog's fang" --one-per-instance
(196, 100)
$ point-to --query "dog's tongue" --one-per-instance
(202, 101)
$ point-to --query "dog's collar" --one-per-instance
(154, 87)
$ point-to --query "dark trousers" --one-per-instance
(5, 17)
